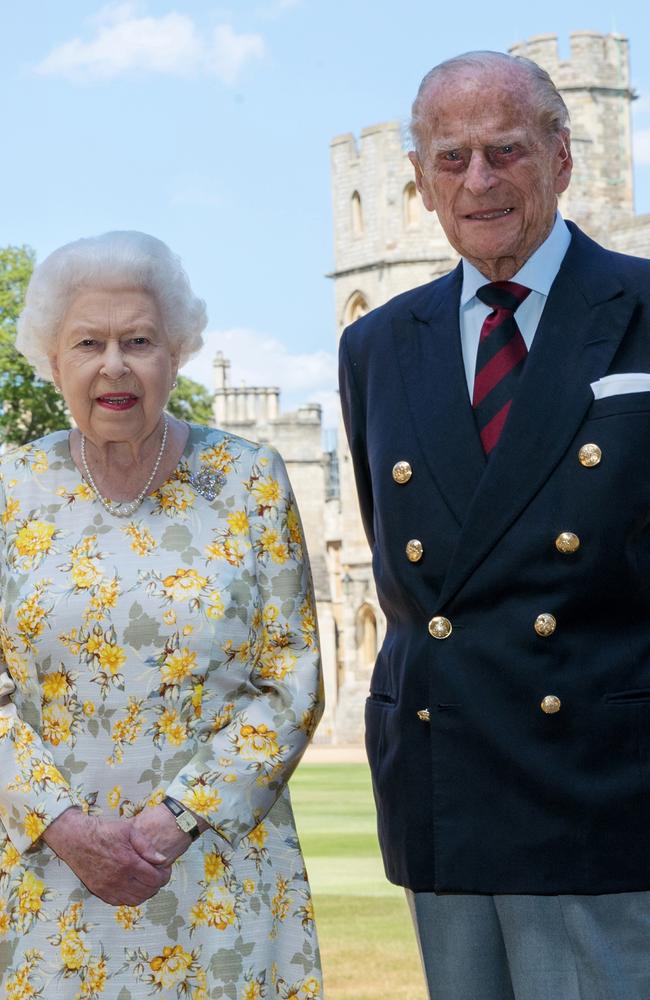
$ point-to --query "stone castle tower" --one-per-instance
(384, 243)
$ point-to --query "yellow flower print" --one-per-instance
(74, 953)
(19, 985)
(31, 615)
(39, 462)
(85, 573)
(6, 725)
(10, 511)
(248, 886)
(270, 614)
(9, 858)
(142, 541)
(57, 724)
(229, 549)
(268, 539)
(257, 742)
(89, 708)
(184, 584)
(94, 981)
(171, 968)
(267, 491)
(202, 800)
(56, 685)
(238, 522)
(293, 524)
(30, 894)
(111, 658)
(170, 725)
(35, 823)
(280, 903)
(175, 497)
(128, 917)
(258, 836)
(178, 666)
(126, 730)
(276, 664)
(215, 609)
(188, 629)
(5, 918)
(253, 991)
(34, 541)
(84, 492)
(310, 989)
(103, 599)
(199, 914)
(218, 458)
(214, 866)
(94, 643)
(114, 797)
(169, 617)
(220, 909)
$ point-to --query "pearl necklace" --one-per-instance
(123, 508)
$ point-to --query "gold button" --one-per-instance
(551, 704)
(440, 628)
(414, 550)
(567, 542)
(402, 472)
(424, 715)
(589, 455)
(545, 624)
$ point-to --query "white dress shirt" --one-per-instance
(538, 274)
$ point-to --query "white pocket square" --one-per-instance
(616, 385)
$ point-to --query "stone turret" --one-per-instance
(595, 84)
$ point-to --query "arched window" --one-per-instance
(357, 306)
(367, 636)
(411, 207)
(357, 215)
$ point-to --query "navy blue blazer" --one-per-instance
(491, 794)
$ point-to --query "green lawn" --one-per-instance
(365, 930)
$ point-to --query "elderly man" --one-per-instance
(499, 424)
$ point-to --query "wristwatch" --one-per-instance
(184, 819)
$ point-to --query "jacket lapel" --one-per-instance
(585, 318)
(427, 346)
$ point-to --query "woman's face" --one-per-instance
(113, 364)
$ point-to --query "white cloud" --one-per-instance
(641, 145)
(231, 51)
(259, 360)
(124, 42)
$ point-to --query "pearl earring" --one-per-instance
(174, 384)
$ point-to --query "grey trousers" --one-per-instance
(534, 947)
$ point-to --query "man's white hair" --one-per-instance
(553, 112)
(115, 260)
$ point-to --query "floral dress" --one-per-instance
(175, 653)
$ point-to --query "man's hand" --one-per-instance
(158, 826)
(113, 859)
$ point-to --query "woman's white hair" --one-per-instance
(120, 259)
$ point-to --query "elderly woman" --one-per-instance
(159, 669)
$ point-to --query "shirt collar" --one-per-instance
(539, 271)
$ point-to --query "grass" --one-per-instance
(366, 936)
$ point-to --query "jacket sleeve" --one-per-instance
(274, 697)
(33, 792)
(354, 419)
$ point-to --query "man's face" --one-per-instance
(488, 169)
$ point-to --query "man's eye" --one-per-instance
(453, 155)
(506, 149)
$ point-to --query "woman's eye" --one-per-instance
(139, 341)
(87, 342)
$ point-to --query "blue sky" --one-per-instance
(209, 126)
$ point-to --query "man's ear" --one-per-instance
(565, 163)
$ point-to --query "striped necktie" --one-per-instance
(499, 360)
